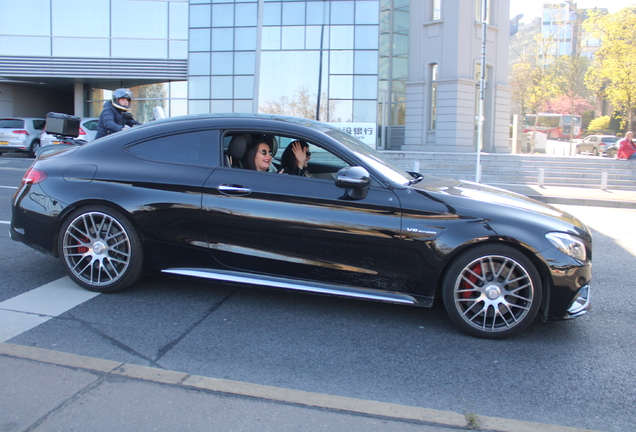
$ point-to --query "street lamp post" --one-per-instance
(482, 88)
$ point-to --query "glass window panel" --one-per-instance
(221, 106)
(367, 12)
(340, 87)
(383, 71)
(293, 13)
(155, 12)
(365, 87)
(365, 111)
(400, 20)
(385, 44)
(400, 44)
(222, 63)
(198, 106)
(179, 89)
(178, 25)
(177, 107)
(317, 13)
(341, 37)
(222, 39)
(223, 15)
(200, 15)
(272, 13)
(293, 37)
(245, 63)
(200, 39)
(436, 11)
(341, 111)
(243, 106)
(288, 74)
(246, 15)
(365, 62)
(244, 87)
(74, 47)
(73, 18)
(221, 87)
(178, 49)
(366, 37)
(199, 63)
(385, 21)
(341, 62)
(16, 45)
(15, 15)
(128, 48)
(199, 1)
(270, 38)
(342, 12)
(199, 87)
(245, 39)
(400, 68)
(313, 33)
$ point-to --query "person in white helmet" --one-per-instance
(116, 114)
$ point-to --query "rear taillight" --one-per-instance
(81, 131)
(33, 176)
(20, 132)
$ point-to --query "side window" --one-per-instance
(194, 148)
(91, 125)
(39, 124)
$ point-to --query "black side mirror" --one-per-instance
(355, 181)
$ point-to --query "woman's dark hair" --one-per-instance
(288, 159)
(250, 154)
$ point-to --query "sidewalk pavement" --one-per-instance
(575, 195)
(47, 390)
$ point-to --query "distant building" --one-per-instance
(408, 70)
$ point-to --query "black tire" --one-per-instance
(492, 291)
(100, 249)
(595, 151)
(35, 146)
(578, 150)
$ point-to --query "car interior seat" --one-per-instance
(236, 150)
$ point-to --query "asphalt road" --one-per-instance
(579, 373)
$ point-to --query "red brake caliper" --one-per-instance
(472, 278)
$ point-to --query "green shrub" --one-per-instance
(599, 124)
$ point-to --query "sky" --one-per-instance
(531, 8)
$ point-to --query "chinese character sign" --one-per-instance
(365, 132)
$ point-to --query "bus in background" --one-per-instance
(555, 126)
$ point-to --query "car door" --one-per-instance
(304, 228)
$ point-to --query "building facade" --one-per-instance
(404, 71)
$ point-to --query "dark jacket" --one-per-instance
(113, 120)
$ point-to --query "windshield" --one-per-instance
(375, 160)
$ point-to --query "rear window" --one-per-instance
(12, 123)
(609, 139)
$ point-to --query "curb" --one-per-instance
(446, 419)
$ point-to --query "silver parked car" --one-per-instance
(20, 134)
(87, 132)
(596, 144)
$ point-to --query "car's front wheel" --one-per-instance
(492, 291)
(35, 146)
(100, 249)
(595, 151)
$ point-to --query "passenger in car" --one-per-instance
(295, 159)
(258, 156)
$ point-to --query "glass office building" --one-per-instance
(402, 71)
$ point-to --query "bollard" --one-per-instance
(604, 181)
(416, 166)
(541, 176)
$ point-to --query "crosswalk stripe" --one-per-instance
(32, 308)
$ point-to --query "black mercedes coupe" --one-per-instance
(168, 198)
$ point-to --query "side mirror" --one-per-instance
(355, 180)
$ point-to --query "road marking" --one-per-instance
(29, 310)
(8, 187)
(5, 222)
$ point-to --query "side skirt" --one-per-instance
(301, 285)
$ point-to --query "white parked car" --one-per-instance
(20, 134)
(87, 132)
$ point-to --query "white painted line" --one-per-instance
(8, 187)
(5, 222)
(28, 310)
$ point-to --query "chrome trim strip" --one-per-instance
(580, 305)
(298, 285)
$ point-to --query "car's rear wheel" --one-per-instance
(100, 249)
(35, 146)
(492, 291)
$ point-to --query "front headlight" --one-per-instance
(568, 244)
